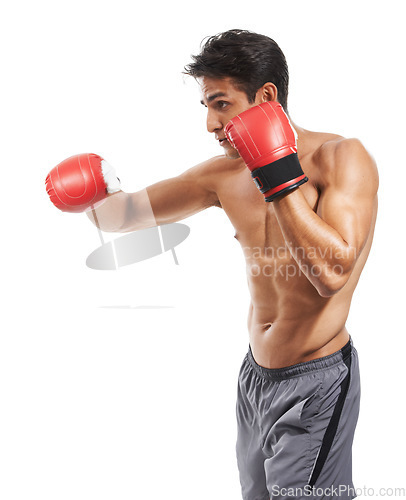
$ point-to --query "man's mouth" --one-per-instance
(222, 142)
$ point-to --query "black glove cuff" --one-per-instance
(277, 174)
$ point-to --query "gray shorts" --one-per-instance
(296, 426)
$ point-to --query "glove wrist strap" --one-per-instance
(279, 176)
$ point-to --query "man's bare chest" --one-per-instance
(254, 220)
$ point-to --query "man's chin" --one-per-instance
(231, 153)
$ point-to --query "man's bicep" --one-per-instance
(180, 197)
(170, 200)
(348, 202)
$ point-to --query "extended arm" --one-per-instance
(87, 183)
(166, 201)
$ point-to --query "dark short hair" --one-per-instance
(249, 59)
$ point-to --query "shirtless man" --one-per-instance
(298, 391)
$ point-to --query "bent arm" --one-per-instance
(166, 201)
(327, 244)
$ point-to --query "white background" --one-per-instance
(102, 396)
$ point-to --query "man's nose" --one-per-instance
(213, 122)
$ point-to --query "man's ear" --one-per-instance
(268, 92)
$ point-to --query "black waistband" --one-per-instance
(301, 368)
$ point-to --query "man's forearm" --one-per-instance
(320, 251)
(111, 215)
(123, 212)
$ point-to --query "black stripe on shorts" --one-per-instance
(333, 424)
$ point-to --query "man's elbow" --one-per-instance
(331, 283)
(327, 290)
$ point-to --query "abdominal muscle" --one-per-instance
(288, 321)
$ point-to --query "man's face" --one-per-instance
(223, 102)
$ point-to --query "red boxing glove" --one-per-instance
(266, 142)
(80, 182)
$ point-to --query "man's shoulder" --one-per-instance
(333, 147)
(211, 172)
(219, 164)
(337, 155)
(214, 173)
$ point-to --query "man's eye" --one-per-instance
(222, 104)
